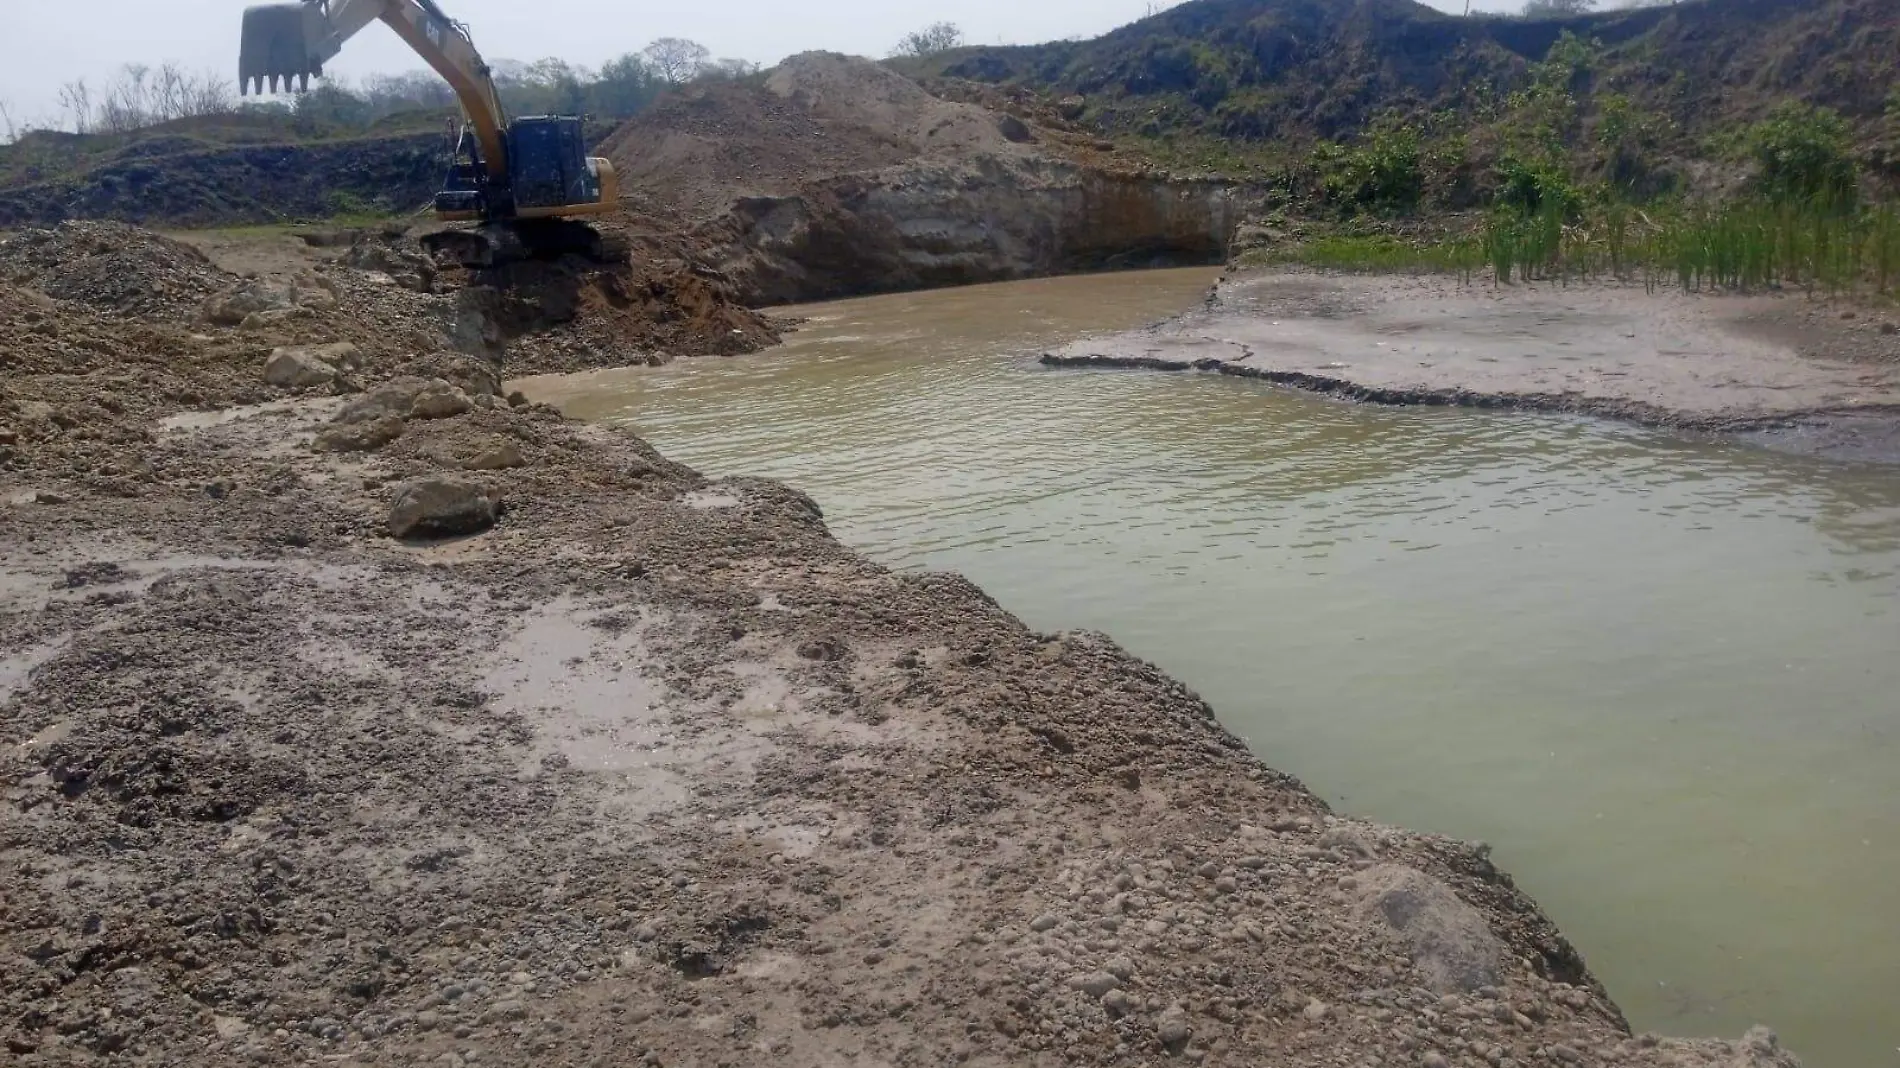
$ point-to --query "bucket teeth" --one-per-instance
(278, 48)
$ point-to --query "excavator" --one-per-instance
(524, 183)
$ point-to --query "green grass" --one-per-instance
(365, 220)
(1738, 247)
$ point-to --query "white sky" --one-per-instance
(46, 43)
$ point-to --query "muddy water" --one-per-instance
(1661, 677)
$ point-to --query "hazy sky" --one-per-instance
(49, 42)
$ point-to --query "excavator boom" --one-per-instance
(530, 171)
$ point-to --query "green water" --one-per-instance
(1661, 677)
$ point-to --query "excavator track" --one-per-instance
(496, 244)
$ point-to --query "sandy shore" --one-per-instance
(1781, 369)
(638, 768)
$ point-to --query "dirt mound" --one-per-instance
(695, 154)
(115, 268)
(114, 337)
(817, 116)
(846, 89)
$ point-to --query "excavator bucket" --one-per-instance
(280, 45)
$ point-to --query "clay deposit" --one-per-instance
(1783, 369)
(386, 720)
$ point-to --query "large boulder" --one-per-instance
(472, 376)
(263, 301)
(407, 397)
(1453, 947)
(247, 298)
(366, 436)
(442, 507)
(301, 366)
(438, 400)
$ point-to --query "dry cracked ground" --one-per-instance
(607, 764)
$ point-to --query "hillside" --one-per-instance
(1310, 69)
(221, 170)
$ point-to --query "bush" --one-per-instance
(1381, 174)
(1537, 186)
(1802, 154)
(1556, 9)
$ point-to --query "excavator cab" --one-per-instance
(462, 188)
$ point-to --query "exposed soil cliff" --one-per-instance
(839, 177)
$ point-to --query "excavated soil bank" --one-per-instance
(839, 177)
(1782, 370)
(640, 769)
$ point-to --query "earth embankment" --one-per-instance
(355, 712)
(838, 177)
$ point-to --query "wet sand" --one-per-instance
(1779, 369)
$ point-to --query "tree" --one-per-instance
(937, 37)
(625, 87)
(731, 68)
(1557, 9)
(676, 59)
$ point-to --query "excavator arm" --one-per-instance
(290, 42)
(531, 174)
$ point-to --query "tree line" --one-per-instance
(141, 96)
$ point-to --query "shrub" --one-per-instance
(1383, 173)
(1802, 154)
(1536, 185)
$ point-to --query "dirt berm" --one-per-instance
(602, 763)
(836, 176)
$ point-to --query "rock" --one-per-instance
(1889, 329)
(265, 319)
(1452, 946)
(1071, 107)
(1014, 129)
(1173, 1030)
(1226, 884)
(1094, 984)
(247, 298)
(1118, 1003)
(398, 397)
(1120, 967)
(301, 366)
(504, 455)
(360, 437)
(1434, 1059)
(517, 399)
(441, 507)
(472, 376)
(439, 400)
(1045, 922)
(1315, 1011)
(9, 436)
